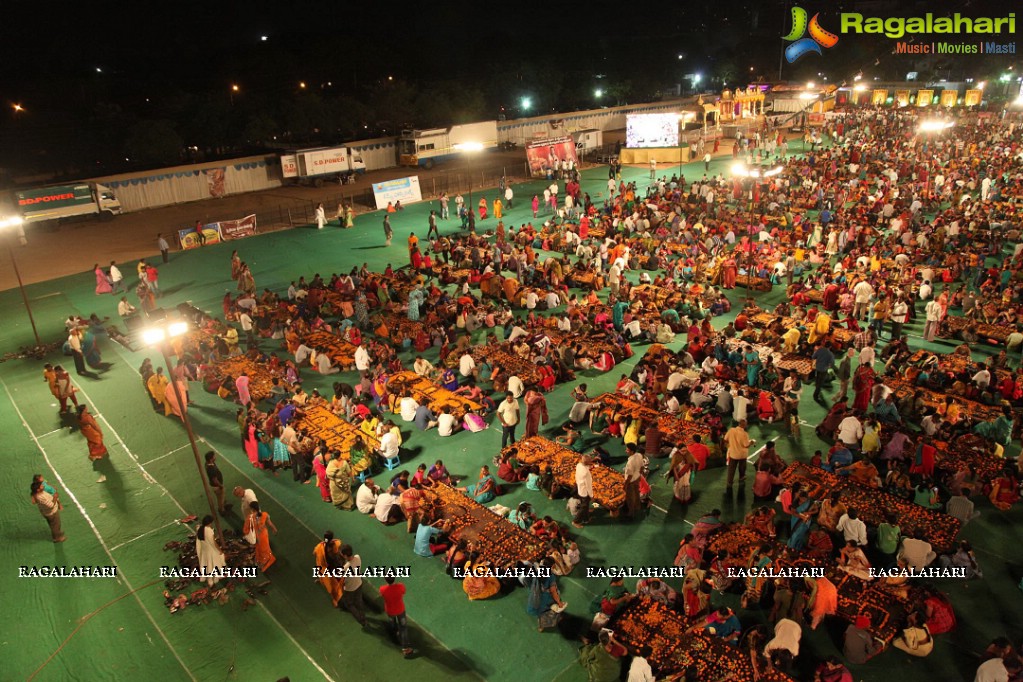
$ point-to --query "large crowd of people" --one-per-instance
(884, 229)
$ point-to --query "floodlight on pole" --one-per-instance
(526, 103)
(808, 95)
(159, 337)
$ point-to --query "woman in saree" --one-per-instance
(250, 441)
(90, 349)
(328, 558)
(90, 429)
(339, 473)
(543, 596)
(751, 358)
(759, 560)
(485, 489)
(483, 208)
(1004, 491)
(320, 468)
(258, 522)
(438, 473)
(536, 412)
(707, 525)
(863, 383)
(802, 518)
(236, 265)
(207, 550)
(177, 407)
(157, 386)
(281, 456)
(853, 561)
(349, 218)
(477, 584)
(694, 597)
(102, 281)
(264, 450)
(415, 301)
(729, 271)
(682, 471)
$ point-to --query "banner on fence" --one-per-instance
(190, 240)
(405, 190)
(238, 229)
(544, 155)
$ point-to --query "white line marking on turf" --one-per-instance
(50, 433)
(183, 511)
(139, 537)
(166, 454)
(95, 531)
(294, 641)
(222, 458)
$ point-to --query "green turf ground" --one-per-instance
(152, 481)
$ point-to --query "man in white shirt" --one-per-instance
(366, 497)
(324, 364)
(583, 489)
(247, 496)
(446, 423)
(675, 380)
(466, 365)
(508, 415)
(116, 278)
(362, 359)
(351, 598)
(850, 432)
(983, 377)
(423, 367)
(125, 309)
(633, 473)
(302, 355)
(387, 509)
(389, 445)
(408, 406)
(531, 299)
(932, 313)
(852, 528)
(863, 293)
(916, 553)
(516, 386)
(552, 300)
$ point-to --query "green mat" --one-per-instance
(152, 481)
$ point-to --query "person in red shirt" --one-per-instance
(699, 451)
(393, 594)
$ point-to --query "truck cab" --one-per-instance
(109, 204)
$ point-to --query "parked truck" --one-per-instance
(425, 148)
(588, 140)
(321, 164)
(62, 202)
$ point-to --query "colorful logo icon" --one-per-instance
(800, 46)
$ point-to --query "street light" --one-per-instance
(526, 103)
(469, 148)
(18, 108)
(14, 224)
(598, 93)
(158, 336)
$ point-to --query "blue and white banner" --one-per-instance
(405, 190)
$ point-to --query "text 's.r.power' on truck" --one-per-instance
(322, 164)
(63, 202)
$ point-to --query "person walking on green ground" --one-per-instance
(393, 594)
(351, 599)
(388, 232)
(49, 506)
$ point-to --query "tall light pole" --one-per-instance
(159, 336)
(469, 148)
(11, 224)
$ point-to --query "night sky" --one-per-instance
(104, 82)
